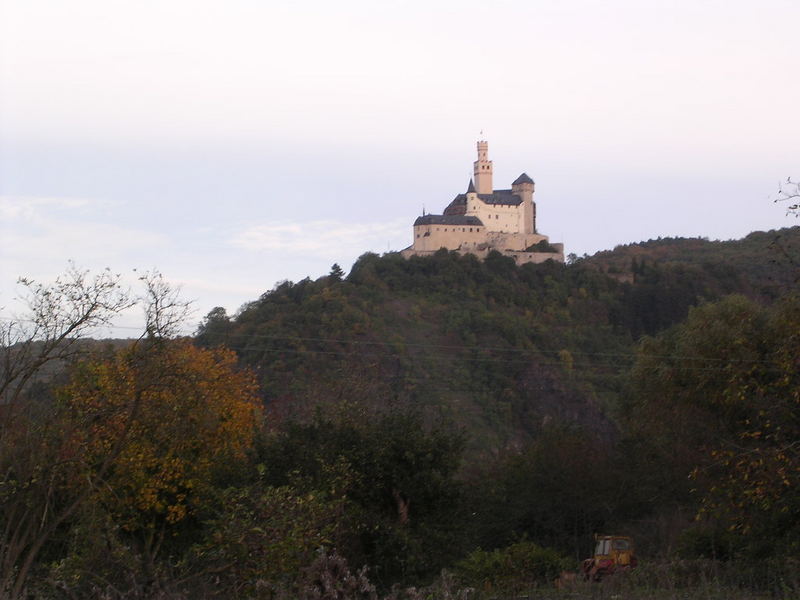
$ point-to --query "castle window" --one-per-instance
(470, 229)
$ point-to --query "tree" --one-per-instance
(263, 536)
(719, 397)
(336, 273)
(35, 430)
(215, 328)
(680, 401)
(756, 470)
(789, 191)
(196, 417)
(59, 315)
(557, 491)
(398, 477)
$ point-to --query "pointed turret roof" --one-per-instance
(524, 178)
(471, 187)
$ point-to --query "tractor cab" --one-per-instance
(612, 553)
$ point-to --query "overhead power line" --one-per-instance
(240, 347)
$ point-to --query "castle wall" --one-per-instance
(513, 241)
(481, 252)
(496, 217)
(537, 257)
(430, 238)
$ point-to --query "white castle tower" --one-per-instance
(483, 169)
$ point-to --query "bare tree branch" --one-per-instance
(59, 314)
(33, 430)
(165, 312)
(789, 191)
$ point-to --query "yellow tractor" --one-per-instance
(612, 553)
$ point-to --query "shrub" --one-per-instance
(541, 246)
(515, 567)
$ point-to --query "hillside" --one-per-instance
(424, 414)
(763, 264)
(496, 349)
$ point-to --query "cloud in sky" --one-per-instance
(40, 234)
(29, 208)
(316, 237)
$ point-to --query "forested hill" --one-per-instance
(422, 415)
(499, 350)
(760, 264)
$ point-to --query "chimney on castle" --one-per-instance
(483, 169)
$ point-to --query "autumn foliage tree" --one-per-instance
(195, 416)
(133, 439)
(34, 346)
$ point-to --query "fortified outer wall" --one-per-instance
(430, 238)
(514, 241)
(482, 252)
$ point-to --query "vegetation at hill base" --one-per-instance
(437, 427)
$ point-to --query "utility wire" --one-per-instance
(475, 348)
(240, 347)
(427, 357)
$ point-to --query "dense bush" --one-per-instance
(516, 567)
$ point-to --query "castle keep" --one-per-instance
(484, 219)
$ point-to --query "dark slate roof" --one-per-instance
(447, 220)
(500, 197)
(471, 187)
(524, 178)
(458, 206)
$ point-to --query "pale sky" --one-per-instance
(235, 144)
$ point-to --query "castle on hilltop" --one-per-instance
(484, 219)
